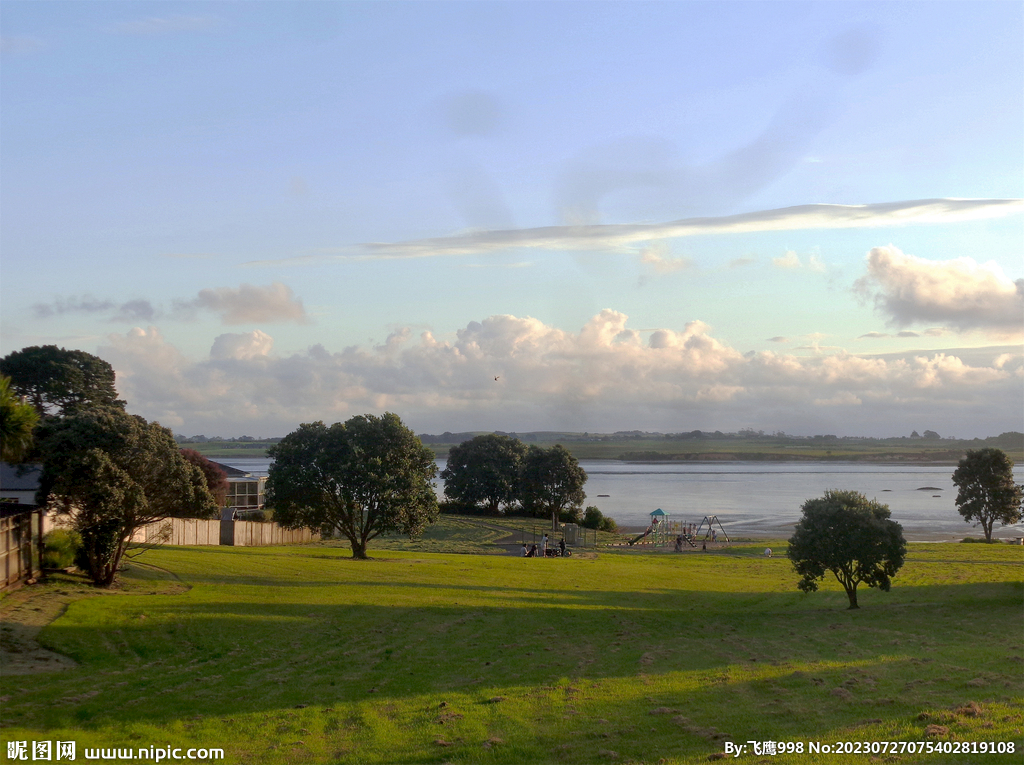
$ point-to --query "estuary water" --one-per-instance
(756, 499)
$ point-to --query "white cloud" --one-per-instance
(962, 293)
(657, 255)
(606, 376)
(621, 237)
(248, 304)
(244, 346)
(789, 260)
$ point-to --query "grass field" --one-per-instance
(300, 654)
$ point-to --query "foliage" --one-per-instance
(363, 477)
(551, 481)
(485, 470)
(851, 536)
(114, 473)
(216, 478)
(986, 491)
(61, 548)
(17, 421)
(57, 381)
(592, 517)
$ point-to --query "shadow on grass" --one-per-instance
(163, 659)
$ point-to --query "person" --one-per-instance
(714, 535)
(679, 543)
(544, 545)
(703, 546)
(533, 552)
(561, 547)
(525, 551)
(767, 552)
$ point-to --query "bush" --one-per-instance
(60, 547)
(570, 515)
(592, 517)
(608, 524)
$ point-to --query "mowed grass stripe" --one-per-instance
(300, 654)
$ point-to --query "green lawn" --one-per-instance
(300, 654)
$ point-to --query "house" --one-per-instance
(19, 483)
(22, 523)
(245, 492)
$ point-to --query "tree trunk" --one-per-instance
(851, 593)
(358, 548)
(986, 526)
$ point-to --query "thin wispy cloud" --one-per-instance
(621, 237)
(249, 303)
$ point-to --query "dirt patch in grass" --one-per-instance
(22, 614)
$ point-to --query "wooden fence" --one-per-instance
(19, 546)
(191, 531)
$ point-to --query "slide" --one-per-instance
(637, 538)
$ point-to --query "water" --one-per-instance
(762, 499)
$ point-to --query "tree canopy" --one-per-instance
(113, 473)
(484, 470)
(986, 490)
(552, 481)
(17, 421)
(363, 477)
(216, 478)
(851, 536)
(57, 381)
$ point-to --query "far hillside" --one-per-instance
(642, 446)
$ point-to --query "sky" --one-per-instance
(593, 216)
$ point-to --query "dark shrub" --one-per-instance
(592, 517)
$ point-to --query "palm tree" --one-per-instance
(17, 420)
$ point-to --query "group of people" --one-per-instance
(533, 552)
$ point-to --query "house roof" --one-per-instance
(20, 477)
(232, 472)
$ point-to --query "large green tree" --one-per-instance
(552, 482)
(113, 473)
(57, 381)
(484, 470)
(363, 477)
(986, 490)
(846, 533)
(17, 421)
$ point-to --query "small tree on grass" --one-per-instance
(987, 492)
(484, 470)
(113, 473)
(851, 536)
(552, 482)
(363, 477)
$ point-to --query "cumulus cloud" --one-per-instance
(247, 304)
(657, 256)
(790, 260)
(962, 293)
(248, 345)
(606, 375)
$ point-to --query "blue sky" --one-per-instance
(667, 216)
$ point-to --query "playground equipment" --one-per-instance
(658, 530)
(709, 532)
